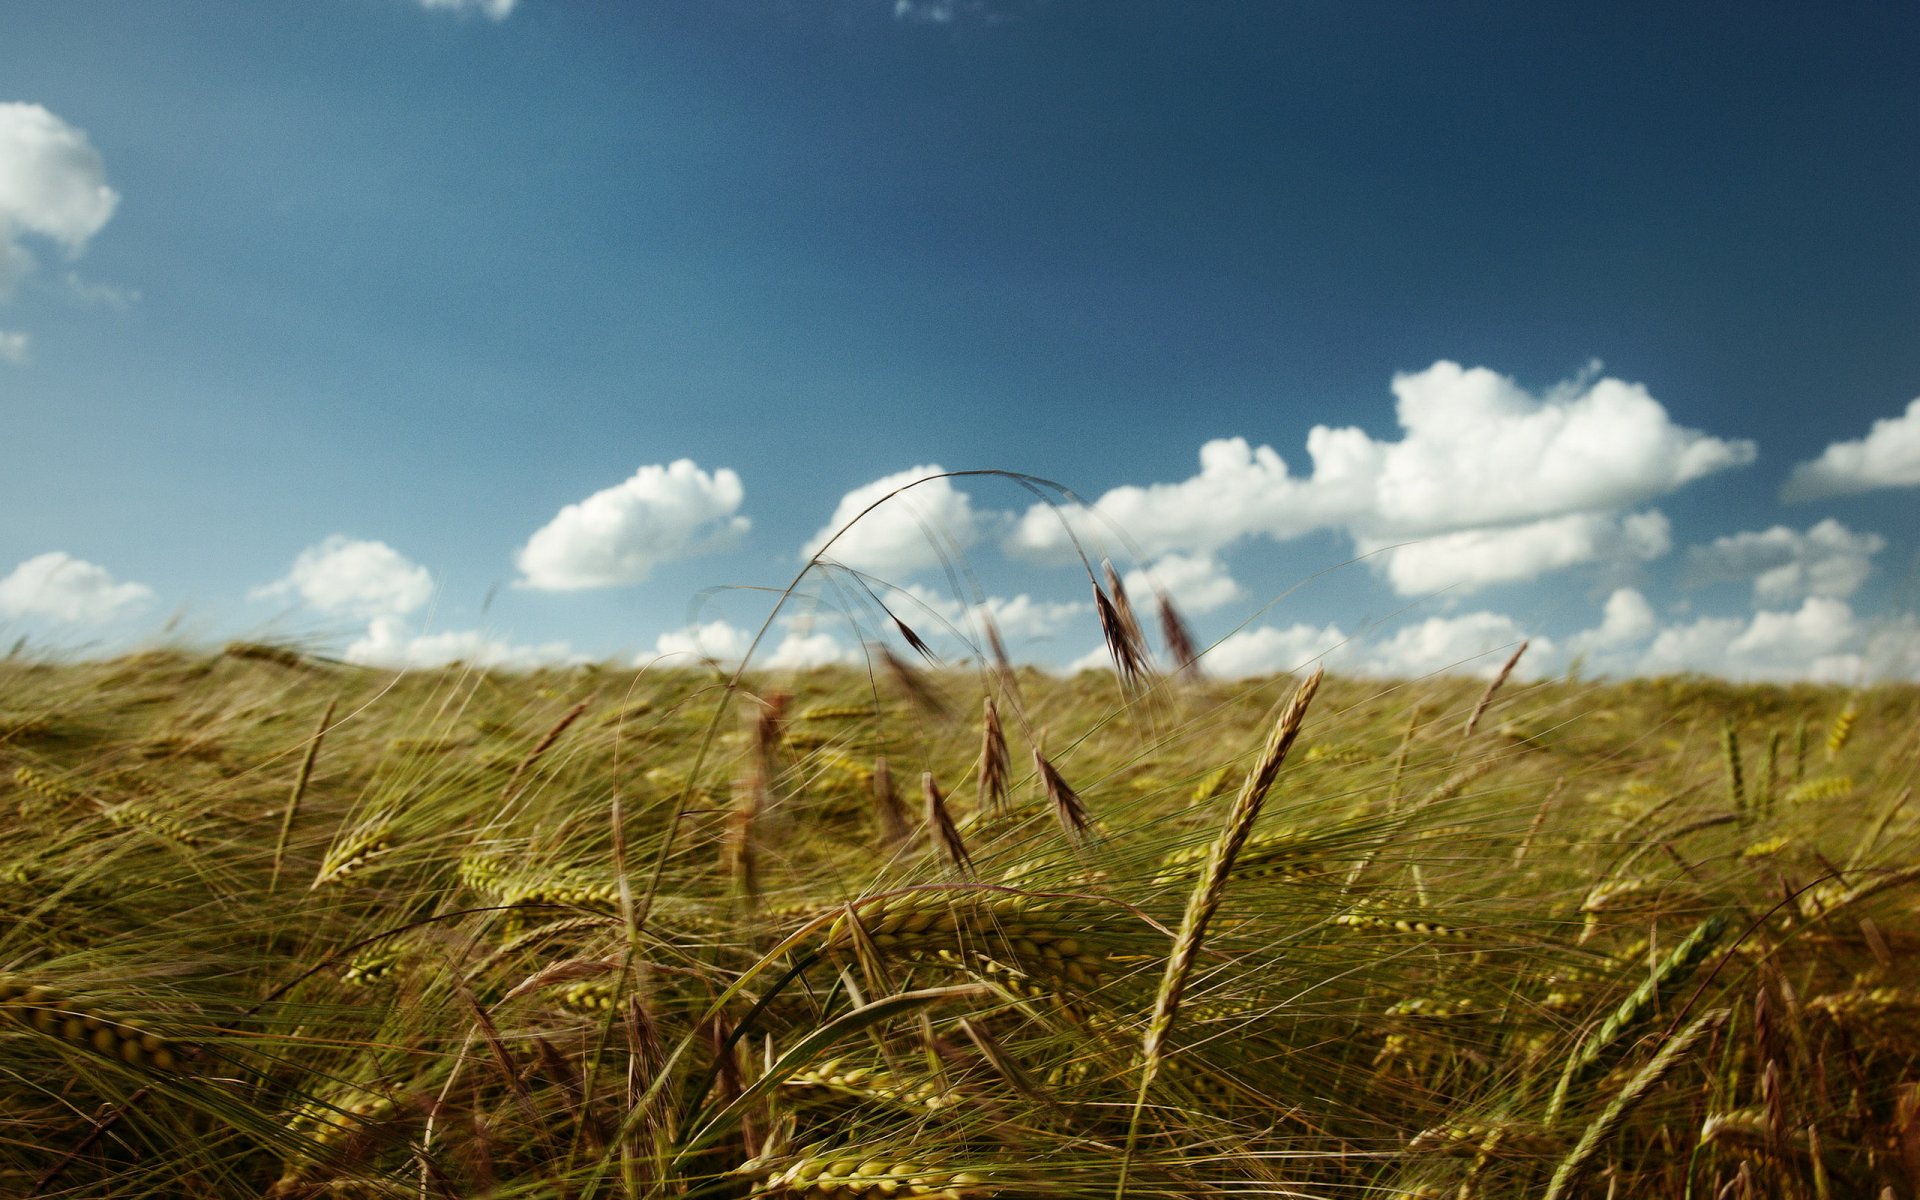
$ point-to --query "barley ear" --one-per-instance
(941, 829)
(1067, 807)
(541, 747)
(299, 790)
(1205, 900)
(1121, 633)
(1181, 647)
(1493, 689)
(1636, 1090)
(996, 764)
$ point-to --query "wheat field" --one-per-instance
(272, 925)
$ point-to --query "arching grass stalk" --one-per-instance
(1205, 900)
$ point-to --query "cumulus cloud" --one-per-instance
(618, 535)
(52, 186)
(908, 532)
(1018, 618)
(726, 644)
(1479, 454)
(1240, 490)
(60, 587)
(1889, 456)
(1268, 650)
(1480, 450)
(1786, 565)
(1475, 643)
(1818, 641)
(1626, 619)
(1022, 617)
(389, 642)
(1197, 582)
(353, 577)
(494, 10)
(1476, 558)
(13, 347)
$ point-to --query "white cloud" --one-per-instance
(1266, 650)
(496, 10)
(1018, 618)
(618, 535)
(52, 185)
(1197, 582)
(1473, 643)
(389, 643)
(1479, 453)
(1240, 490)
(1819, 641)
(1889, 456)
(726, 643)
(946, 12)
(1785, 565)
(61, 587)
(1480, 450)
(1626, 620)
(1476, 558)
(937, 12)
(354, 577)
(13, 347)
(1023, 617)
(907, 532)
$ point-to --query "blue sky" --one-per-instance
(519, 331)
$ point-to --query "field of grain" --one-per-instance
(276, 926)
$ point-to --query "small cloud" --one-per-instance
(1626, 620)
(1240, 490)
(1018, 618)
(1268, 650)
(1022, 618)
(725, 643)
(946, 12)
(938, 12)
(1888, 457)
(1475, 643)
(353, 577)
(60, 587)
(618, 535)
(1786, 565)
(1198, 583)
(14, 346)
(390, 643)
(52, 185)
(106, 295)
(927, 520)
(493, 10)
